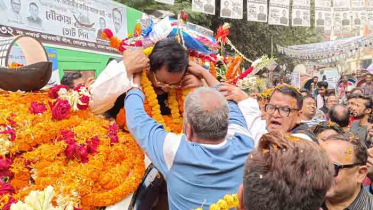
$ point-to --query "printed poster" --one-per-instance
(74, 23)
(257, 10)
(369, 12)
(204, 6)
(279, 12)
(323, 14)
(342, 14)
(231, 9)
(301, 13)
(359, 17)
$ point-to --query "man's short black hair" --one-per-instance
(292, 92)
(341, 117)
(368, 99)
(33, 4)
(315, 77)
(171, 54)
(69, 79)
(322, 84)
(304, 90)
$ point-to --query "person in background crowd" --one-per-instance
(343, 86)
(282, 112)
(302, 183)
(305, 92)
(331, 100)
(360, 107)
(344, 100)
(313, 90)
(341, 115)
(320, 99)
(215, 131)
(357, 90)
(72, 80)
(324, 130)
(354, 91)
(310, 115)
(282, 81)
(349, 157)
(368, 85)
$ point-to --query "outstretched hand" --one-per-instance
(196, 69)
(135, 61)
(233, 93)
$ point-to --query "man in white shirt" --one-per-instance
(166, 68)
(282, 112)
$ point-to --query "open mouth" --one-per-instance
(275, 124)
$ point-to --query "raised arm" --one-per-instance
(250, 110)
(150, 135)
(115, 80)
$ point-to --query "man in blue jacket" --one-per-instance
(207, 161)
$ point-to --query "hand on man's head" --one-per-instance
(233, 93)
(135, 61)
(196, 69)
(191, 81)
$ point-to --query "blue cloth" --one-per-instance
(192, 43)
(194, 173)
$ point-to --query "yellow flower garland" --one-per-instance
(228, 202)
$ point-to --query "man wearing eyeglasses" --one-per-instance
(282, 112)
(349, 157)
(166, 68)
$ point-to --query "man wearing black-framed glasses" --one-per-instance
(282, 112)
(349, 157)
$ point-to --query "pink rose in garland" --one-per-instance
(82, 153)
(53, 93)
(78, 87)
(70, 150)
(6, 188)
(60, 109)
(85, 101)
(68, 136)
(113, 131)
(93, 145)
(9, 204)
(37, 108)
(5, 163)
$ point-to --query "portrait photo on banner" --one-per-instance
(231, 9)
(257, 10)
(279, 12)
(204, 6)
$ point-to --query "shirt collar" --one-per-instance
(362, 200)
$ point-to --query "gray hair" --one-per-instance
(207, 112)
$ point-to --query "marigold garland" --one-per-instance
(39, 159)
(228, 202)
(232, 70)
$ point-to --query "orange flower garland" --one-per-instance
(111, 174)
(232, 70)
(213, 69)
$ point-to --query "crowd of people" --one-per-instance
(293, 149)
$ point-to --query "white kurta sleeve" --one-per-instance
(112, 82)
(253, 116)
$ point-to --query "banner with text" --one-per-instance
(279, 12)
(74, 23)
(204, 6)
(231, 9)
